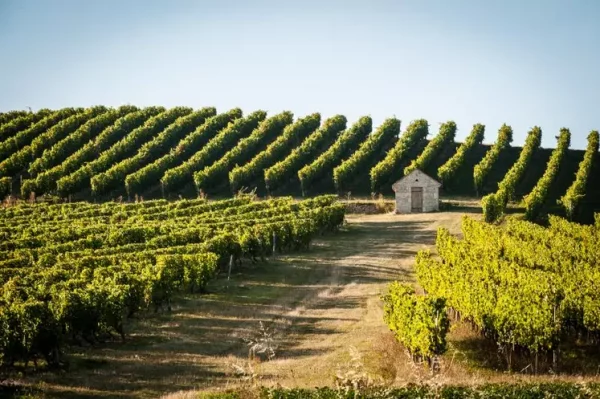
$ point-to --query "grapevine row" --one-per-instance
(150, 150)
(112, 164)
(576, 191)
(362, 158)
(345, 145)
(24, 137)
(8, 117)
(494, 204)
(183, 174)
(89, 130)
(434, 147)
(484, 167)
(279, 174)
(415, 133)
(448, 170)
(13, 123)
(291, 137)
(151, 174)
(265, 133)
(21, 159)
(68, 177)
(5, 186)
(534, 201)
(419, 322)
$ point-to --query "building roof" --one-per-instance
(421, 175)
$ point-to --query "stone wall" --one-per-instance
(402, 188)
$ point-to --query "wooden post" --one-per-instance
(274, 242)
(555, 349)
(230, 266)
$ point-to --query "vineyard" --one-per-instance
(530, 289)
(103, 153)
(76, 272)
(114, 215)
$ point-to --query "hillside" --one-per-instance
(102, 153)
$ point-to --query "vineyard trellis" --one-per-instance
(77, 271)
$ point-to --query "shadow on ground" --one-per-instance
(199, 343)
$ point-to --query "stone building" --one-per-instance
(417, 192)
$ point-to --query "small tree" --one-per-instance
(493, 208)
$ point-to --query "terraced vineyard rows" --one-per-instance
(102, 153)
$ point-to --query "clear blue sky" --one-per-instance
(523, 62)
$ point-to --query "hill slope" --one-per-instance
(26, 166)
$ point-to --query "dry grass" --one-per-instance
(315, 305)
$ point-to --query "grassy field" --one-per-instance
(320, 311)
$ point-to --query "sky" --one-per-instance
(520, 62)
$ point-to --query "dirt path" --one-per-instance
(346, 314)
(319, 305)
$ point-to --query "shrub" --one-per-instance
(419, 322)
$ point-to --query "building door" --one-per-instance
(416, 199)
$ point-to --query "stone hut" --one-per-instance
(417, 192)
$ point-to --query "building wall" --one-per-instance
(431, 201)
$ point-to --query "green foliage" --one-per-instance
(145, 144)
(5, 186)
(444, 137)
(483, 168)
(493, 208)
(20, 159)
(416, 132)
(13, 122)
(362, 158)
(150, 174)
(77, 271)
(291, 137)
(576, 191)
(521, 284)
(69, 176)
(448, 170)
(7, 117)
(534, 201)
(151, 150)
(226, 139)
(495, 203)
(266, 132)
(419, 322)
(57, 153)
(280, 173)
(24, 137)
(346, 144)
(123, 148)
